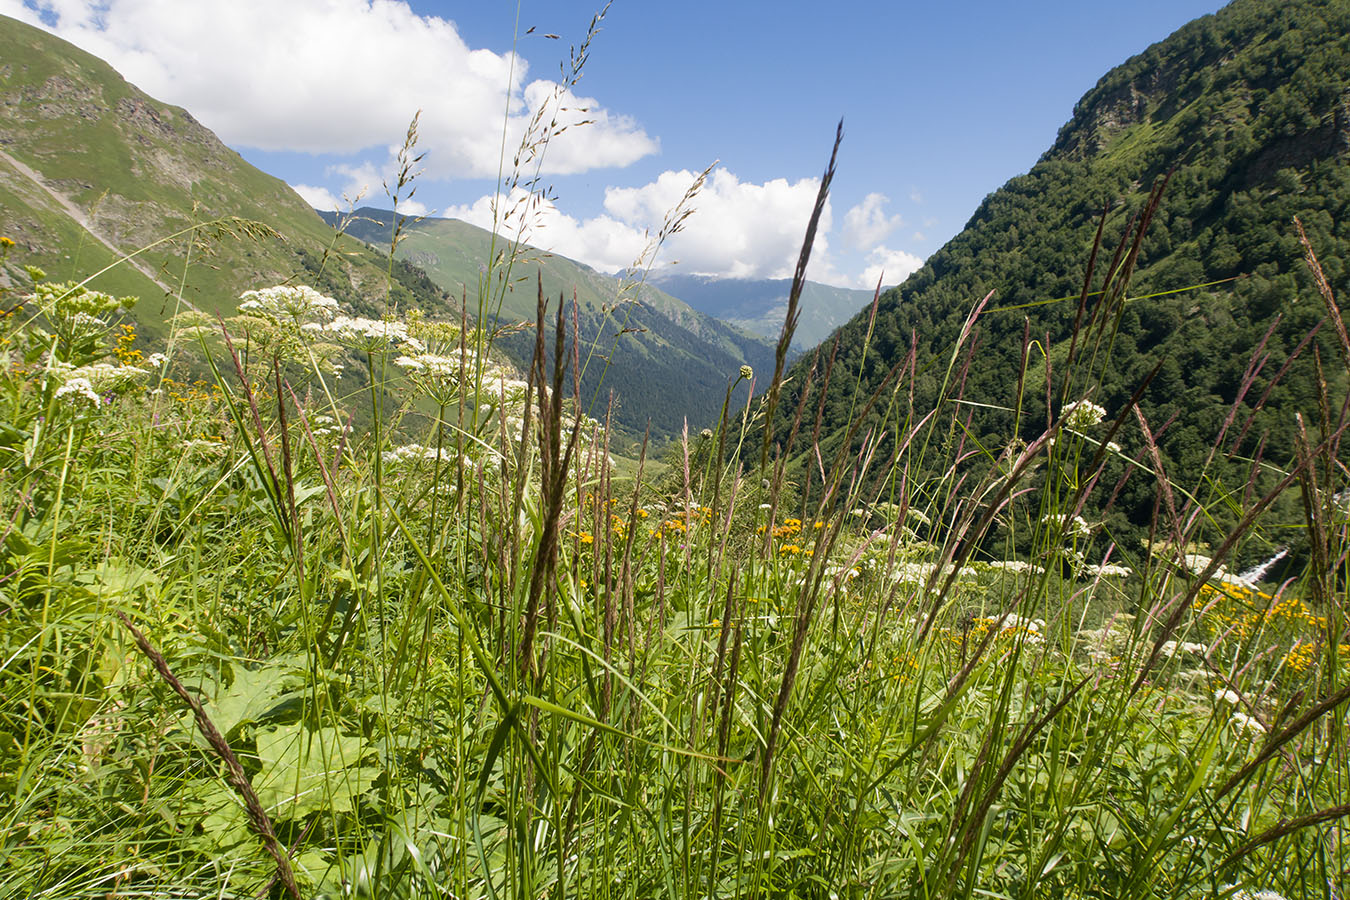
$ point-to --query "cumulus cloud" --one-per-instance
(602, 242)
(737, 229)
(319, 197)
(352, 83)
(890, 266)
(867, 225)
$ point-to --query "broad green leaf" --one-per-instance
(304, 770)
(253, 693)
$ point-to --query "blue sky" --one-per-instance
(942, 103)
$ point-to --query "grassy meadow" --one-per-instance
(249, 647)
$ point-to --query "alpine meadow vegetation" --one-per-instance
(314, 600)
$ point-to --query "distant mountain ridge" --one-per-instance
(760, 305)
(665, 361)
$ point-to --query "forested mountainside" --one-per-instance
(664, 361)
(93, 170)
(1249, 111)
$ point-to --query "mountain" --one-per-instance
(1249, 109)
(758, 305)
(93, 170)
(664, 360)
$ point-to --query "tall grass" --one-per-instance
(246, 650)
(248, 647)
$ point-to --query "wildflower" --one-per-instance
(298, 303)
(1227, 696)
(1170, 648)
(1074, 527)
(78, 389)
(1300, 657)
(1259, 895)
(368, 335)
(68, 301)
(1109, 571)
(412, 453)
(1243, 722)
(95, 379)
(1017, 566)
(429, 364)
(747, 373)
(1082, 415)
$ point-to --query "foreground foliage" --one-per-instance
(460, 655)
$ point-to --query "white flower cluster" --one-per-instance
(84, 322)
(413, 453)
(1111, 641)
(1013, 620)
(298, 302)
(1197, 563)
(87, 384)
(917, 573)
(1110, 570)
(1171, 648)
(1074, 528)
(1259, 895)
(78, 391)
(370, 335)
(323, 426)
(1240, 720)
(1082, 414)
(429, 365)
(1017, 566)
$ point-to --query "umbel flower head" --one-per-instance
(298, 303)
(370, 335)
(74, 302)
(1082, 415)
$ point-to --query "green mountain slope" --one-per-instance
(665, 361)
(1250, 108)
(759, 305)
(92, 170)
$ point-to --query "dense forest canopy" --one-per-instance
(1248, 110)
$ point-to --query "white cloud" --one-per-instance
(340, 76)
(319, 197)
(867, 225)
(601, 242)
(737, 229)
(890, 266)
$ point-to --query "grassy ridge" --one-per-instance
(665, 362)
(136, 170)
